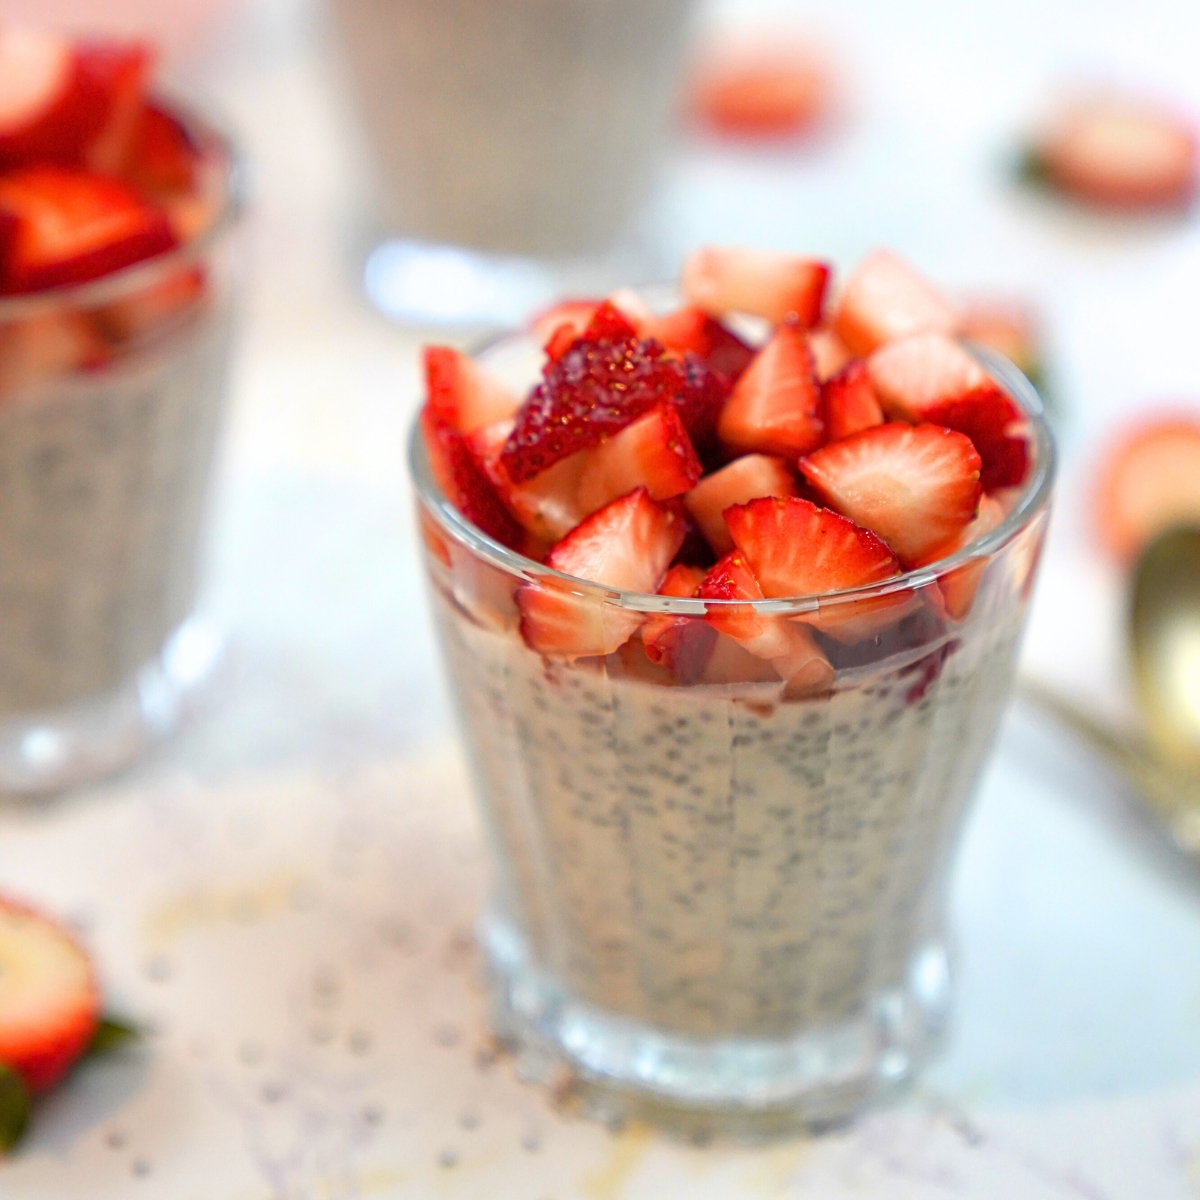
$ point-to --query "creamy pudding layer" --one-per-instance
(710, 860)
(102, 487)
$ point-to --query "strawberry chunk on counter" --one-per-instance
(848, 403)
(884, 299)
(778, 287)
(681, 644)
(628, 545)
(49, 999)
(914, 374)
(747, 478)
(775, 406)
(462, 393)
(914, 486)
(71, 226)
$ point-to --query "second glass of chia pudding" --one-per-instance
(119, 261)
(731, 604)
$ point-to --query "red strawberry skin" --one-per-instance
(692, 330)
(848, 403)
(162, 158)
(914, 486)
(998, 429)
(681, 644)
(462, 393)
(628, 545)
(775, 407)
(72, 226)
(914, 374)
(956, 589)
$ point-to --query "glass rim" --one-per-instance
(1033, 501)
(139, 275)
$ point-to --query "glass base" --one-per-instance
(738, 1086)
(85, 740)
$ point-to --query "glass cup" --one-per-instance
(513, 140)
(110, 397)
(713, 896)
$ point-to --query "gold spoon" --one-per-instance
(1163, 763)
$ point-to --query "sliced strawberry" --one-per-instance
(848, 403)
(655, 452)
(885, 299)
(787, 646)
(914, 486)
(592, 392)
(1121, 152)
(162, 158)
(1148, 481)
(998, 429)
(692, 330)
(627, 545)
(49, 999)
(118, 72)
(462, 393)
(914, 374)
(956, 589)
(463, 483)
(36, 70)
(150, 311)
(829, 352)
(681, 644)
(571, 314)
(746, 478)
(73, 226)
(778, 287)
(775, 407)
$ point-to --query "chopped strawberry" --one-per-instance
(572, 314)
(36, 71)
(153, 309)
(778, 287)
(654, 451)
(746, 478)
(47, 346)
(117, 73)
(1148, 481)
(914, 486)
(627, 545)
(775, 407)
(829, 352)
(681, 644)
(592, 392)
(463, 483)
(462, 393)
(998, 429)
(49, 999)
(914, 374)
(609, 324)
(73, 226)
(162, 157)
(848, 403)
(786, 645)
(692, 329)
(885, 299)
(1122, 153)
(956, 589)
(701, 401)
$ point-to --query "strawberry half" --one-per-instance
(998, 429)
(885, 299)
(49, 1000)
(463, 483)
(680, 644)
(787, 646)
(654, 451)
(775, 407)
(746, 478)
(72, 226)
(956, 589)
(778, 287)
(914, 374)
(692, 330)
(462, 393)
(848, 403)
(914, 486)
(627, 545)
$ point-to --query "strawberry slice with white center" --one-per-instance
(35, 75)
(1120, 152)
(462, 393)
(692, 330)
(49, 1000)
(787, 646)
(71, 226)
(914, 486)
(463, 482)
(885, 299)
(681, 644)
(628, 545)
(655, 451)
(829, 352)
(764, 283)
(775, 407)
(998, 429)
(796, 549)
(914, 374)
(746, 478)
(848, 403)
(956, 589)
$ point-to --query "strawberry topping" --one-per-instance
(848, 403)
(913, 375)
(681, 644)
(746, 478)
(956, 589)
(462, 393)
(162, 157)
(778, 287)
(997, 428)
(692, 329)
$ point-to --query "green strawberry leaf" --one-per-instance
(14, 1108)
(111, 1034)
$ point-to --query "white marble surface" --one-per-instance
(286, 890)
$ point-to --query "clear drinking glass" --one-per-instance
(110, 397)
(711, 895)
